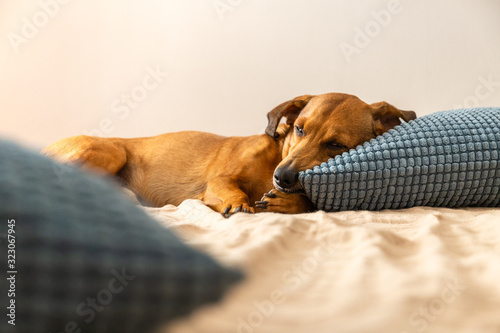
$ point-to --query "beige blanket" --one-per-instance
(414, 270)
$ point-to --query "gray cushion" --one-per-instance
(87, 258)
(445, 159)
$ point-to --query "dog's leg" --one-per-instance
(96, 154)
(224, 195)
(281, 202)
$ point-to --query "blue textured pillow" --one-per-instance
(445, 159)
(84, 258)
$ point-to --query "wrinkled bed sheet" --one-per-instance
(414, 270)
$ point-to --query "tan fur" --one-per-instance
(230, 174)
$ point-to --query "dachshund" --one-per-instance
(258, 173)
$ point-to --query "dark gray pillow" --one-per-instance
(445, 159)
(87, 259)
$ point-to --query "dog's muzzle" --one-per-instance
(286, 180)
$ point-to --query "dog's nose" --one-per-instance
(285, 177)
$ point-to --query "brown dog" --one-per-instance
(230, 174)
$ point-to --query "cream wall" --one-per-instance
(139, 68)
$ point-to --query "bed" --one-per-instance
(414, 270)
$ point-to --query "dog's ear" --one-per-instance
(386, 116)
(289, 109)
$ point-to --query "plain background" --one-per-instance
(70, 67)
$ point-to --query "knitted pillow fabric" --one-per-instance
(446, 159)
(84, 258)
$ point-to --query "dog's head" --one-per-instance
(323, 126)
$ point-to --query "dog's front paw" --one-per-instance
(281, 202)
(226, 202)
(229, 209)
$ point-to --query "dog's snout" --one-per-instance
(286, 178)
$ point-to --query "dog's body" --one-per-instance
(230, 174)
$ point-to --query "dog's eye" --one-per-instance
(299, 130)
(334, 145)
